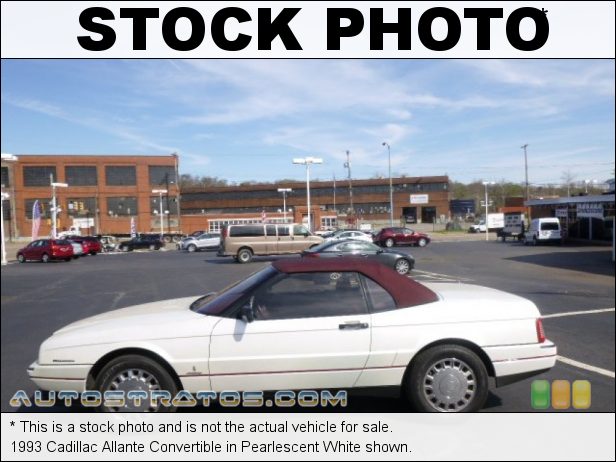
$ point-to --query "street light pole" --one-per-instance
(391, 188)
(160, 193)
(5, 196)
(284, 192)
(307, 161)
(485, 184)
(526, 169)
(54, 206)
(347, 165)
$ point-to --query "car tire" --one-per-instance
(67, 259)
(134, 372)
(21, 258)
(422, 242)
(403, 266)
(153, 247)
(124, 248)
(447, 378)
(45, 258)
(389, 242)
(192, 248)
(244, 256)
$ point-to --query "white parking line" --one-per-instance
(586, 367)
(439, 276)
(577, 313)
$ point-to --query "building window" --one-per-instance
(5, 177)
(39, 176)
(44, 204)
(121, 206)
(216, 225)
(329, 222)
(170, 204)
(81, 206)
(162, 175)
(81, 175)
(121, 175)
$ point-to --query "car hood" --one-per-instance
(157, 320)
(469, 302)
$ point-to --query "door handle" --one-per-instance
(356, 325)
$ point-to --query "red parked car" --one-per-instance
(90, 244)
(388, 237)
(45, 250)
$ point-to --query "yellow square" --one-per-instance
(561, 394)
(581, 394)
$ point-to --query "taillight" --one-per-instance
(540, 331)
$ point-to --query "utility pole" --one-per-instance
(526, 169)
(347, 165)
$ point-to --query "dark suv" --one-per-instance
(388, 237)
(144, 241)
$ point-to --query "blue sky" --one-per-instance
(246, 119)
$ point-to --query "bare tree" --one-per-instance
(568, 178)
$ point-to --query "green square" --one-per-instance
(540, 394)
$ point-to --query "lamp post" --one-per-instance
(347, 165)
(391, 188)
(5, 196)
(161, 215)
(307, 161)
(54, 207)
(485, 184)
(284, 192)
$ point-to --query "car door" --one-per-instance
(30, 252)
(408, 236)
(311, 330)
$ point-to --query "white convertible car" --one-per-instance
(308, 324)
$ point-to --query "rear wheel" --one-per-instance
(136, 373)
(389, 242)
(21, 258)
(447, 378)
(403, 266)
(422, 242)
(45, 258)
(124, 248)
(153, 247)
(244, 256)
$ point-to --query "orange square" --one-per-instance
(581, 394)
(561, 394)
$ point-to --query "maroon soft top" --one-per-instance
(404, 290)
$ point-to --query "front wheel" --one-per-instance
(45, 258)
(192, 248)
(21, 258)
(244, 256)
(389, 242)
(422, 242)
(153, 247)
(403, 266)
(447, 378)
(136, 373)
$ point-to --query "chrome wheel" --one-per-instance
(134, 379)
(389, 243)
(192, 248)
(402, 266)
(449, 385)
(422, 242)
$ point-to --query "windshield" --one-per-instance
(216, 303)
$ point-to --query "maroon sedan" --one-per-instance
(90, 244)
(45, 250)
(388, 237)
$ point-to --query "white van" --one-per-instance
(543, 230)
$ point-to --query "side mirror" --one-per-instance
(247, 313)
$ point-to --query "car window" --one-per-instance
(284, 231)
(299, 230)
(246, 231)
(380, 299)
(352, 245)
(270, 230)
(310, 295)
(549, 227)
(408, 231)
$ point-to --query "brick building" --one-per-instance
(104, 192)
(416, 200)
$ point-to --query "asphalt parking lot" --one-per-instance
(572, 285)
